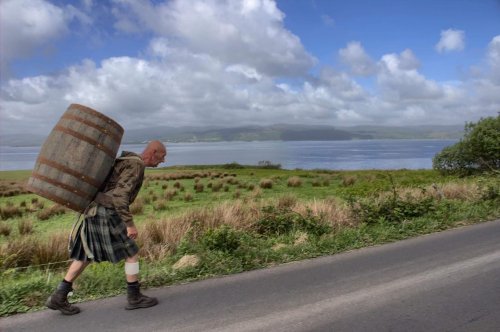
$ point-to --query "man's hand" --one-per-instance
(132, 232)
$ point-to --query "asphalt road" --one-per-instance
(449, 281)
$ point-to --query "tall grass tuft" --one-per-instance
(198, 187)
(48, 213)
(10, 211)
(5, 229)
(294, 181)
(25, 227)
(266, 183)
(348, 180)
(137, 207)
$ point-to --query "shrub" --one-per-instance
(237, 194)
(294, 181)
(233, 165)
(266, 183)
(280, 221)
(268, 165)
(165, 186)
(477, 151)
(392, 209)
(177, 184)
(224, 239)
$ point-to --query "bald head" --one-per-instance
(154, 154)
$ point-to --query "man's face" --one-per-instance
(158, 157)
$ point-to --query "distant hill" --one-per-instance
(283, 132)
(292, 133)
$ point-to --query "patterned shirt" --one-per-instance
(123, 185)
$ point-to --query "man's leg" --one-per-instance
(59, 299)
(135, 298)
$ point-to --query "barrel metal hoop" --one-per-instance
(103, 130)
(62, 185)
(55, 198)
(88, 110)
(86, 139)
(85, 178)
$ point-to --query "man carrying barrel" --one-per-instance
(108, 233)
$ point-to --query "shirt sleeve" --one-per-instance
(129, 176)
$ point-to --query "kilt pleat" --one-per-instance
(106, 237)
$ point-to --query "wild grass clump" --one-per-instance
(25, 227)
(10, 211)
(217, 186)
(348, 180)
(198, 187)
(188, 197)
(160, 205)
(50, 212)
(266, 183)
(137, 207)
(294, 181)
(5, 229)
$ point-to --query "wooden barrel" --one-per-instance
(76, 157)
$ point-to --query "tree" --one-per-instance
(477, 151)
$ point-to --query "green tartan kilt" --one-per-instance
(106, 238)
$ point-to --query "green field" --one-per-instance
(201, 221)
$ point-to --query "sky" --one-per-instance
(150, 63)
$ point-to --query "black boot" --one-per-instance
(59, 299)
(136, 299)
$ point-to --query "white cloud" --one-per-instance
(493, 58)
(357, 59)
(451, 40)
(247, 32)
(28, 26)
(399, 79)
(242, 79)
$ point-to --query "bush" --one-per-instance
(392, 209)
(280, 221)
(223, 239)
(268, 165)
(477, 151)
